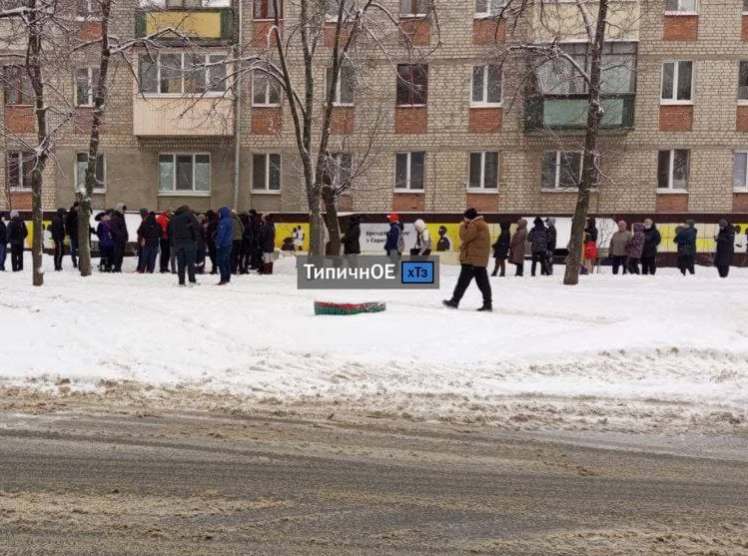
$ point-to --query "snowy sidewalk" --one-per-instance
(622, 345)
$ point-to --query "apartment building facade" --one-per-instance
(466, 129)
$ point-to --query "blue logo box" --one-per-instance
(417, 272)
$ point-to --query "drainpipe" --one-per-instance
(238, 106)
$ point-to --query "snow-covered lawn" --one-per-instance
(626, 352)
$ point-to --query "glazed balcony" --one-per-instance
(569, 113)
(204, 26)
(183, 117)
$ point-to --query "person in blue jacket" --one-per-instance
(224, 241)
(685, 239)
(393, 242)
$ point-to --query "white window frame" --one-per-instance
(744, 188)
(339, 89)
(91, 94)
(484, 103)
(675, 101)
(268, 85)
(337, 157)
(266, 190)
(333, 18)
(409, 15)
(89, 14)
(269, 2)
(174, 192)
(671, 167)
(557, 177)
(75, 172)
(482, 188)
(684, 12)
(18, 188)
(213, 94)
(409, 173)
(489, 13)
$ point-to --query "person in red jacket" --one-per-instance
(163, 221)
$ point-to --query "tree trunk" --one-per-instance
(331, 220)
(589, 168)
(84, 198)
(37, 238)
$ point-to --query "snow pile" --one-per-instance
(626, 352)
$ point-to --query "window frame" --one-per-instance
(90, 14)
(266, 189)
(91, 94)
(268, 4)
(671, 166)
(744, 187)
(409, 173)
(411, 14)
(268, 86)
(183, 74)
(338, 157)
(489, 13)
(745, 8)
(339, 85)
(22, 83)
(485, 103)
(174, 192)
(557, 165)
(676, 72)
(75, 172)
(22, 157)
(411, 86)
(741, 101)
(482, 188)
(683, 12)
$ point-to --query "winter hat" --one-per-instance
(14, 214)
(120, 207)
(393, 217)
(470, 214)
(550, 221)
(419, 224)
(538, 221)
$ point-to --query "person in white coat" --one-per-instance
(423, 239)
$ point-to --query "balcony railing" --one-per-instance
(212, 25)
(570, 112)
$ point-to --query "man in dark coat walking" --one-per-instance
(652, 239)
(71, 227)
(57, 230)
(184, 231)
(17, 233)
(120, 236)
(474, 254)
(725, 248)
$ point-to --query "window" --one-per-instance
(81, 164)
(743, 81)
(17, 86)
(677, 83)
(180, 73)
(409, 171)
(561, 170)
(484, 171)
(185, 4)
(343, 94)
(680, 6)
(672, 169)
(184, 173)
(486, 85)
(86, 80)
(413, 8)
(412, 84)
(745, 6)
(18, 167)
(88, 9)
(266, 172)
(265, 9)
(333, 7)
(740, 171)
(265, 89)
(341, 169)
(488, 8)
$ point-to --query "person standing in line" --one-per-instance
(140, 242)
(150, 236)
(120, 236)
(552, 238)
(224, 242)
(538, 239)
(3, 241)
(71, 227)
(517, 247)
(351, 239)
(590, 247)
(106, 244)
(200, 246)
(247, 244)
(236, 246)
(475, 251)
(57, 230)
(184, 230)
(619, 244)
(17, 233)
(501, 249)
(268, 244)
(725, 240)
(423, 239)
(635, 249)
(392, 241)
(163, 222)
(685, 239)
(211, 227)
(652, 239)
(255, 220)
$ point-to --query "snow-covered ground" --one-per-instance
(625, 353)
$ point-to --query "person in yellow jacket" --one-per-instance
(475, 251)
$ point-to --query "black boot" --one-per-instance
(451, 303)
(486, 308)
